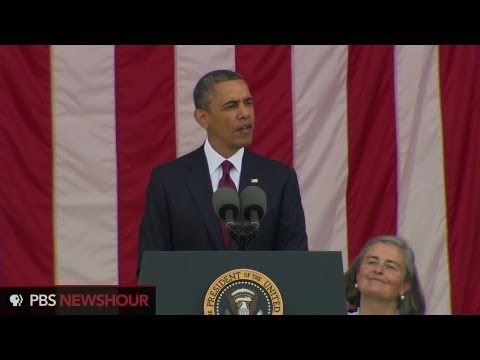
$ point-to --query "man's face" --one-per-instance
(230, 119)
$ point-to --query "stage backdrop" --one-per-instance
(385, 140)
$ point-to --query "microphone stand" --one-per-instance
(243, 234)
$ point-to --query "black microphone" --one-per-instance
(227, 206)
(254, 205)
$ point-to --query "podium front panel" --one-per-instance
(310, 282)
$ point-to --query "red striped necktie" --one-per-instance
(226, 181)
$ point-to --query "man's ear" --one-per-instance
(202, 118)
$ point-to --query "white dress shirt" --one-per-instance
(215, 160)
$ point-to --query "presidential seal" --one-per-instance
(243, 292)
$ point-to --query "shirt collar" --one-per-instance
(214, 159)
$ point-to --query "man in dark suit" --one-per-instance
(179, 214)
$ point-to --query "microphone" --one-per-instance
(226, 204)
(254, 205)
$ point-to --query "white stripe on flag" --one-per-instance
(192, 62)
(320, 142)
(421, 199)
(85, 172)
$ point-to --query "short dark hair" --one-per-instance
(204, 90)
(414, 302)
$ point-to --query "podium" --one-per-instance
(214, 282)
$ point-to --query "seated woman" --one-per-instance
(383, 280)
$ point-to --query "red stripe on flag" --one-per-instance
(372, 156)
(26, 238)
(460, 96)
(145, 104)
(268, 72)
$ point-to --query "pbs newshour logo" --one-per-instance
(78, 300)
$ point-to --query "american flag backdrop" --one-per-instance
(384, 139)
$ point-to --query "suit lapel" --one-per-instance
(200, 187)
(248, 170)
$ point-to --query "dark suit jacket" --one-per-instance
(179, 214)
